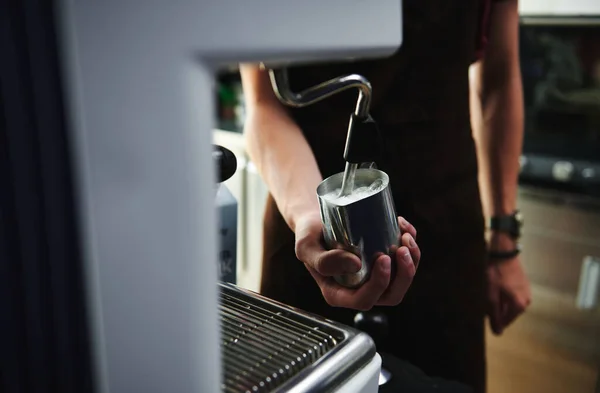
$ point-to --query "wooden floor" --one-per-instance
(553, 348)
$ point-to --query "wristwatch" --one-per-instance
(511, 225)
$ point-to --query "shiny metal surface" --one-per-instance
(348, 178)
(270, 347)
(384, 376)
(367, 227)
(281, 87)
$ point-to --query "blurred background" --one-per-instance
(555, 346)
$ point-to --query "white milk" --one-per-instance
(357, 194)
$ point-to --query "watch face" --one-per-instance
(519, 221)
(519, 217)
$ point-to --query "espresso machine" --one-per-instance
(108, 231)
(227, 216)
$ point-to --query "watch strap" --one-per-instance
(507, 224)
(502, 223)
(500, 255)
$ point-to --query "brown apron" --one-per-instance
(421, 104)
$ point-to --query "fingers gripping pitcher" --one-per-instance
(357, 208)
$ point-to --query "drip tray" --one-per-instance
(267, 346)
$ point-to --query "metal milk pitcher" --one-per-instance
(364, 222)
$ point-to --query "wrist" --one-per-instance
(503, 209)
(502, 247)
(302, 213)
(501, 241)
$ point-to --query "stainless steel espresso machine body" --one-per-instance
(138, 79)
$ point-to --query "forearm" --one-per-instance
(497, 110)
(285, 161)
(497, 119)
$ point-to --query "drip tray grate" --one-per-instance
(269, 347)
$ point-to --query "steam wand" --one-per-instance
(361, 124)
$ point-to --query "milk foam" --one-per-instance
(356, 195)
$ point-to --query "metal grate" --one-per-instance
(263, 346)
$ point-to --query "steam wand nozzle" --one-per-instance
(362, 141)
(362, 145)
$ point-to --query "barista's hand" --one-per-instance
(380, 289)
(509, 293)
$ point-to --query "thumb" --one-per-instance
(310, 250)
